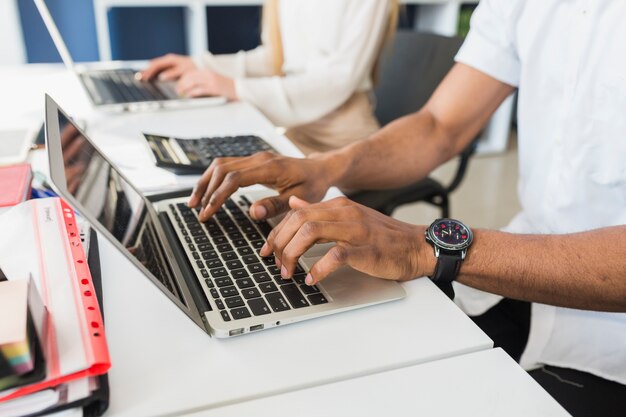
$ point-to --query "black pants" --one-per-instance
(580, 393)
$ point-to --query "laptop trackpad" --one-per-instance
(315, 253)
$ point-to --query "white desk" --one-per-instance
(164, 364)
(487, 383)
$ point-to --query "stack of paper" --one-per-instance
(40, 238)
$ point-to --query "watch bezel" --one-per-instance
(452, 247)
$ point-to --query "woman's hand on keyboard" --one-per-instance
(168, 67)
(305, 178)
(366, 240)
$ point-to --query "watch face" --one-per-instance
(450, 234)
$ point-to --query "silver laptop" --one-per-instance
(211, 271)
(112, 88)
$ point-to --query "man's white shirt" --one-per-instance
(568, 59)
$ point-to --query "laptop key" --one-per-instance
(234, 264)
(274, 270)
(233, 302)
(228, 291)
(205, 273)
(220, 304)
(225, 315)
(250, 259)
(250, 293)
(255, 268)
(269, 260)
(258, 306)
(214, 293)
(316, 299)
(195, 255)
(239, 273)
(235, 235)
(208, 255)
(240, 313)
(261, 277)
(245, 283)
(253, 236)
(224, 248)
(229, 256)
(299, 278)
(268, 287)
(201, 239)
(205, 247)
(223, 282)
(240, 243)
(277, 302)
(281, 281)
(257, 244)
(247, 250)
(214, 263)
(295, 297)
(309, 289)
(219, 240)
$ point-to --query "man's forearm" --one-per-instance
(403, 152)
(409, 148)
(582, 270)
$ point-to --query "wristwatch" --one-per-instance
(450, 238)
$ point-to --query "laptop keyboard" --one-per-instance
(224, 251)
(120, 86)
(207, 149)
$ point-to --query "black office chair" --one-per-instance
(410, 72)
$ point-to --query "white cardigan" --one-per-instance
(329, 48)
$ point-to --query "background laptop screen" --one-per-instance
(109, 198)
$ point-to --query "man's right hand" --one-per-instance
(305, 178)
(168, 67)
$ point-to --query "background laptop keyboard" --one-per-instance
(224, 251)
(120, 86)
(201, 152)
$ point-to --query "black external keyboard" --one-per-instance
(201, 152)
(240, 282)
(120, 86)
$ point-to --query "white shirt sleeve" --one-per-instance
(327, 81)
(254, 63)
(490, 46)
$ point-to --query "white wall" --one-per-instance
(11, 41)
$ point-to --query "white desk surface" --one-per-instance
(486, 383)
(162, 363)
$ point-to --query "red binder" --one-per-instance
(75, 344)
(14, 184)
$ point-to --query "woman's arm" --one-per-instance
(328, 81)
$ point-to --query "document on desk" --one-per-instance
(40, 238)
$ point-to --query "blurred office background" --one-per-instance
(487, 197)
(135, 32)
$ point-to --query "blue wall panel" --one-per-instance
(233, 28)
(76, 23)
(146, 32)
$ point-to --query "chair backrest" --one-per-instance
(411, 69)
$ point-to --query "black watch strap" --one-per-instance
(447, 269)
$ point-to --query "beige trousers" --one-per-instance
(352, 121)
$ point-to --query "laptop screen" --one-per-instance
(106, 196)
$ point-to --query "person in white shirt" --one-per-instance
(313, 73)
(565, 251)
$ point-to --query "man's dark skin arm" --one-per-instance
(576, 270)
(402, 153)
